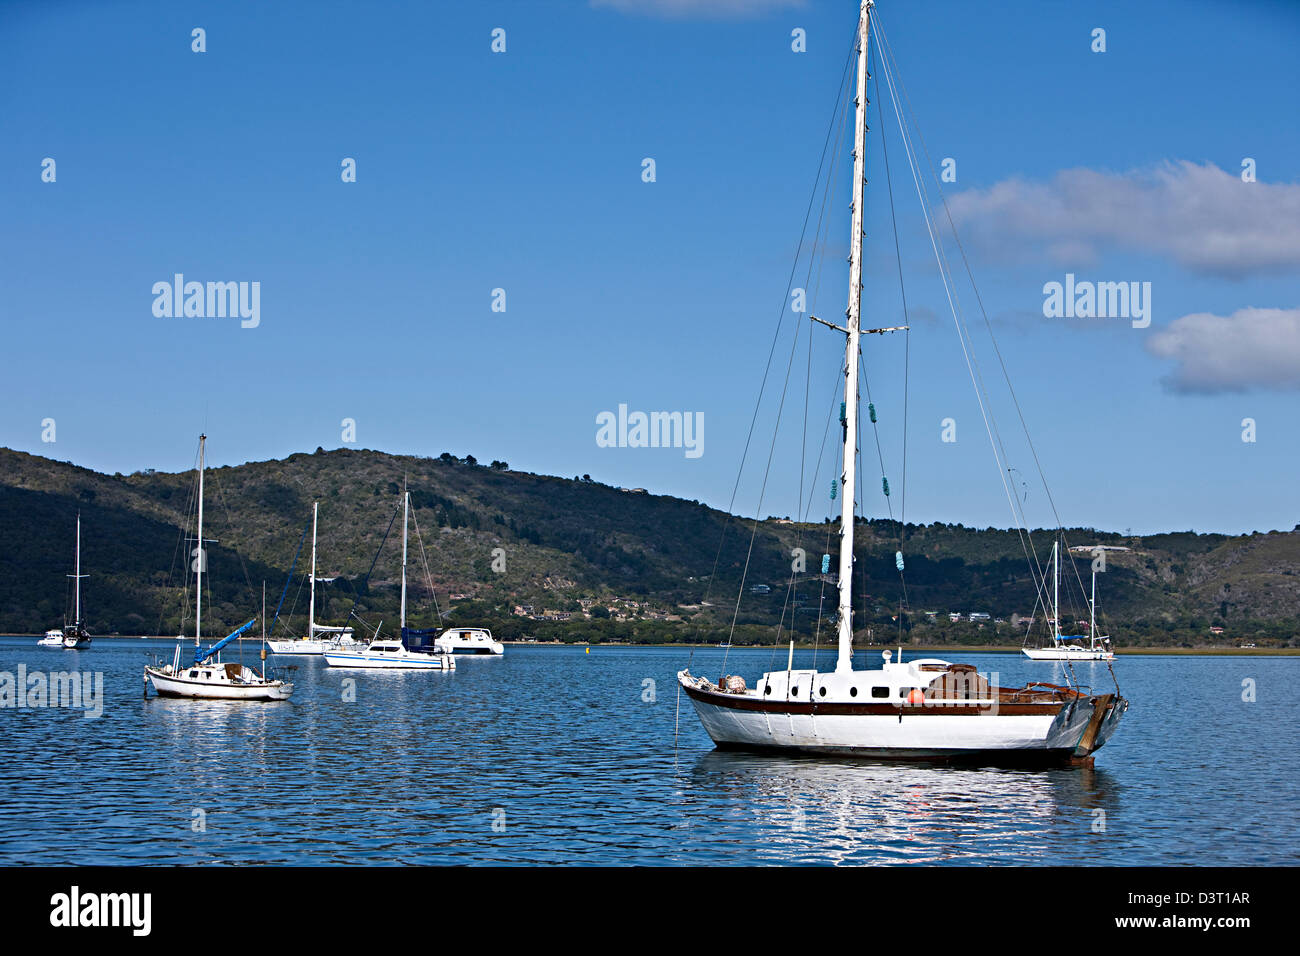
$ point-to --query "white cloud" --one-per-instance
(704, 9)
(1202, 217)
(1252, 348)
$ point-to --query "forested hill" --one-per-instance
(573, 558)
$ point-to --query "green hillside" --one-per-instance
(587, 561)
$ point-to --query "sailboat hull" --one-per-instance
(400, 662)
(1066, 654)
(179, 686)
(986, 732)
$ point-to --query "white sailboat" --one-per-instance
(1065, 648)
(392, 654)
(72, 636)
(318, 638)
(926, 709)
(77, 637)
(208, 677)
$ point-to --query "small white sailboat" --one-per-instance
(469, 640)
(76, 637)
(393, 654)
(925, 709)
(72, 636)
(208, 677)
(319, 637)
(389, 654)
(1064, 647)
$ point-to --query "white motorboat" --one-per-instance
(52, 638)
(208, 677)
(926, 709)
(1094, 647)
(394, 654)
(319, 637)
(468, 640)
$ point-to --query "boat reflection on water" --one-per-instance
(828, 810)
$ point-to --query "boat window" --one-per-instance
(880, 692)
(853, 692)
(794, 691)
(767, 689)
(194, 673)
(904, 691)
(822, 691)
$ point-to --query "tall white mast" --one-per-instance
(1056, 591)
(844, 662)
(1092, 611)
(77, 570)
(406, 509)
(198, 557)
(311, 604)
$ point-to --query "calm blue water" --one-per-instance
(551, 755)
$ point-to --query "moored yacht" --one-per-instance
(468, 640)
(927, 709)
(391, 654)
(72, 636)
(319, 637)
(407, 653)
(1066, 647)
(208, 677)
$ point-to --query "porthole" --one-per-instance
(822, 691)
(853, 692)
(767, 689)
(794, 691)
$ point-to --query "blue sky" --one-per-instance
(522, 170)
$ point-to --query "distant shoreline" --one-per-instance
(913, 650)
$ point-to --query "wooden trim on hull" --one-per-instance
(929, 708)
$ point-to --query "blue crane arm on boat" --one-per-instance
(200, 658)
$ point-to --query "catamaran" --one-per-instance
(408, 653)
(1094, 647)
(208, 677)
(925, 709)
(319, 637)
(72, 636)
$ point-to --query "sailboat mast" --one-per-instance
(406, 510)
(1092, 611)
(198, 557)
(1056, 591)
(77, 570)
(853, 313)
(311, 604)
